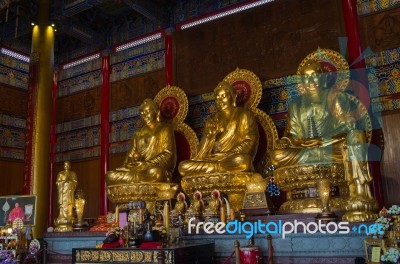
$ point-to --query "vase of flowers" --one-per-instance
(394, 212)
(390, 256)
(382, 225)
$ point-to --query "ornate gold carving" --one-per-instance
(105, 256)
(270, 131)
(233, 184)
(190, 136)
(234, 78)
(333, 58)
(179, 95)
(123, 193)
(120, 256)
(305, 176)
(149, 256)
(137, 256)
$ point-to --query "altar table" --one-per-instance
(193, 252)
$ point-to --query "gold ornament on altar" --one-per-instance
(225, 158)
(326, 136)
(67, 181)
(324, 192)
(80, 202)
(147, 173)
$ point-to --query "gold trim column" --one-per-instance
(41, 107)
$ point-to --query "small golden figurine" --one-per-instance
(66, 185)
(215, 204)
(196, 205)
(180, 205)
(152, 155)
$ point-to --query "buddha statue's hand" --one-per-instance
(313, 142)
(211, 128)
(136, 156)
(283, 143)
(123, 168)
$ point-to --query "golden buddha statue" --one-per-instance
(152, 154)
(215, 204)
(66, 184)
(322, 131)
(230, 138)
(180, 205)
(196, 205)
(227, 151)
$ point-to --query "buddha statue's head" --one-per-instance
(225, 96)
(313, 76)
(67, 165)
(150, 111)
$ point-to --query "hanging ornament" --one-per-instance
(273, 189)
(6, 207)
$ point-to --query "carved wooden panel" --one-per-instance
(381, 31)
(390, 162)
(13, 101)
(13, 177)
(78, 105)
(270, 40)
(132, 91)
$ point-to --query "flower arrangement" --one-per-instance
(394, 210)
(7, 256)
(116, 230)
(382, 224)
(391, 255)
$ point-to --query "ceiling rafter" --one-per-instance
(151, 10)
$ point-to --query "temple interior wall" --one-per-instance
(270, 40)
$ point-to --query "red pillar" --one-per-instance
(168, 57)
(359, 73)
(353, 32)
(53, 141)
(105, 129)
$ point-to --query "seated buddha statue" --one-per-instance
(215, 204)
(321, 129)
(152, 154)
(230, 138)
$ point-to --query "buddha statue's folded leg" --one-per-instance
(286, 157)
(120, 177)
(196, 167)
(236, 162)
(151, 173)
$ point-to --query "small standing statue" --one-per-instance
(66, 185)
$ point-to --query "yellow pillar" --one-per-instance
(43, 53)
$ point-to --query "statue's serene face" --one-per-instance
(310, 80)
(66, 166)
(223, 98)
(148, 114)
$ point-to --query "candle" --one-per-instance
(166, 215)
(117, 215)
(140, 216)
(222, 214)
